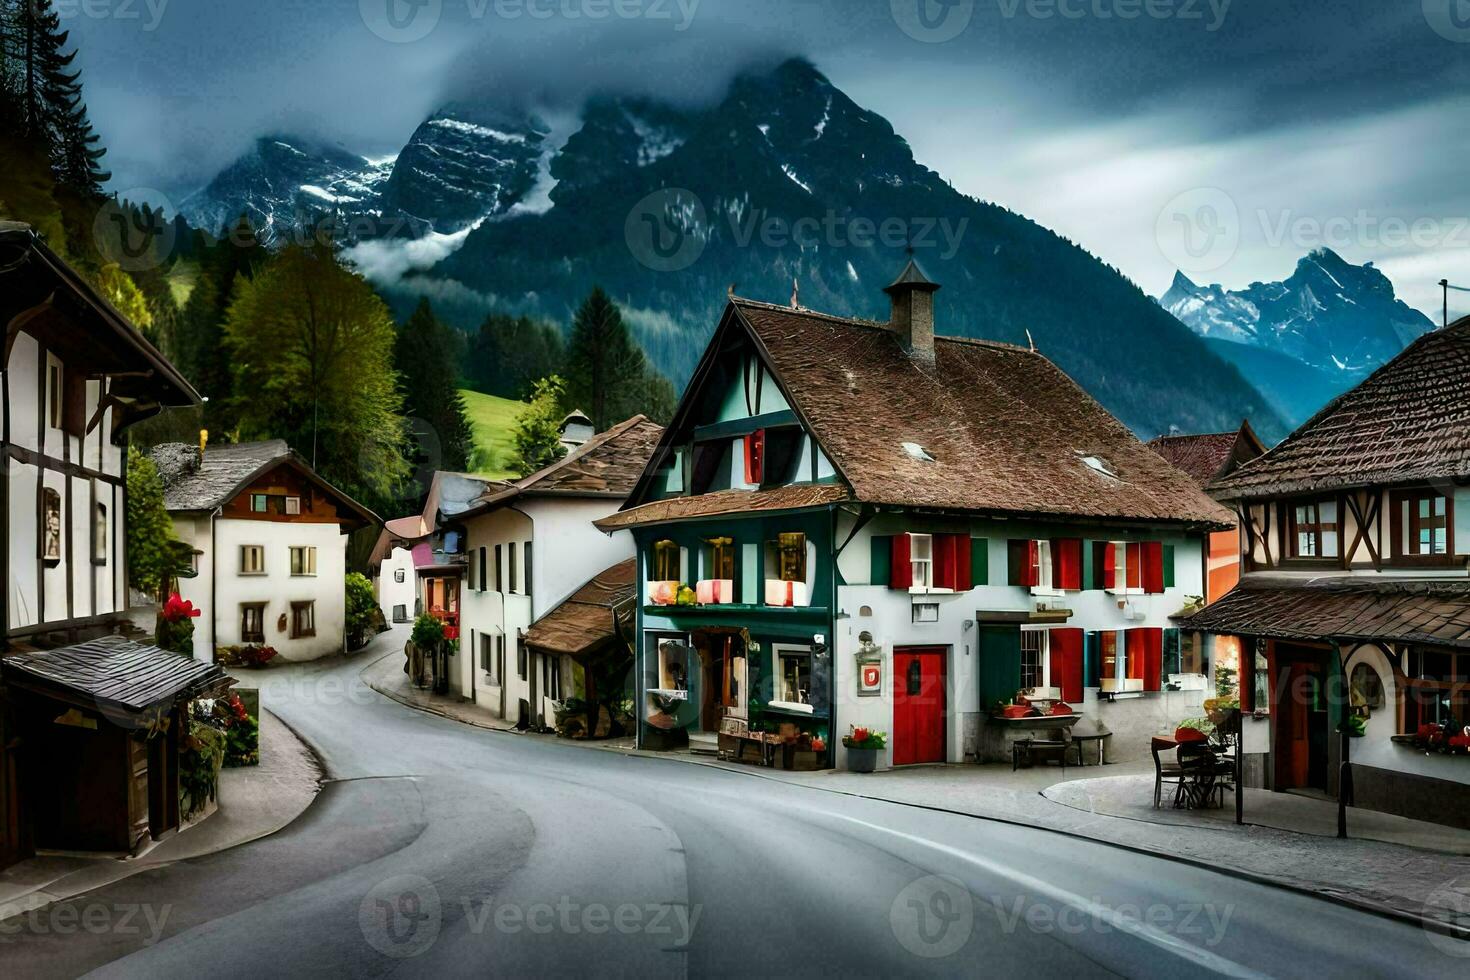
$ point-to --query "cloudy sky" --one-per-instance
(1225, 136)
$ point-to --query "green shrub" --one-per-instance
(200, 758)
(361, 605)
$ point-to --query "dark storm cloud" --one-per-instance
(1085, 114)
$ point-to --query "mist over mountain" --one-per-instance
(782, 180)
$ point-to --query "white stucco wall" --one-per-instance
(1131, 719)
(392, 592)
(278, 588)
(566, 551)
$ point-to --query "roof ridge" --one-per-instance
(855, 321)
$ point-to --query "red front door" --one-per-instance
(918, 705)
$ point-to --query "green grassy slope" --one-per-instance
(492, 419)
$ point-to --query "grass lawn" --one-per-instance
(492, 419)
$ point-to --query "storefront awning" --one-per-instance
(1435, 613)
(115, 676)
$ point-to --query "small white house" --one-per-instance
(395, 585)
(493, 557)
(270, 542)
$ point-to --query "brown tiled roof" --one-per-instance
(1211, 455)
(587, 618)
(1411, 612)
(228, 468)
(1409, 421)
(1007, 431)
(607, 465)
(795, 497)
(115, 674)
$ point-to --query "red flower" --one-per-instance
(177, 608)
(860, 734)
(1460, 742)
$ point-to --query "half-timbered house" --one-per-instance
(89, 723)
(853, 523)
(1354, 599)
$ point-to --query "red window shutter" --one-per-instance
(944, 577)
(1133, 639)
(1066, 663)
(1110, 566)
(1033, 564)
(964, 579)
(1153, 567)
(1017, 561)
(1066, 563)
(901, 576)
(1135, 566)
(1152, 641)
(755, 457)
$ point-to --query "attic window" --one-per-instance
(917, 452)
(1098, 465)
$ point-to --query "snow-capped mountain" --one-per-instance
(1329, 314)
(785, 178)
(462, 165)
(465, 163)
(284, 181)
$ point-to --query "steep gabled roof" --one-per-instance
(228, 469)
(991, 427)
(1209, 456)
(607, 465)
(1408, 422)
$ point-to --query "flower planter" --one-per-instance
(862, 760)
(1016, 711)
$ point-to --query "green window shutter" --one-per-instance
(1091, 660)
(979, 562)
(1171, 649)
(1169, 567)
(1089, 568)
(1000, 664)
(882, 560)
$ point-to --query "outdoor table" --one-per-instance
(1199, 781)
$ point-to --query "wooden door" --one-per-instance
(918, 705)
(1301, 728)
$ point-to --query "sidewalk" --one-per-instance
(1403, 868)
(254, 802)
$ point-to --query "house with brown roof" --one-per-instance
(1354, 603)
(1208, 457)
(851, 523)
(492, 557)
(269, 537)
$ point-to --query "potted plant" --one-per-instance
(1194, 730)
(175, 627)
(1221, 710)
(862, 746)
(1354, 726)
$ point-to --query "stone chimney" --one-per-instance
(912, 314)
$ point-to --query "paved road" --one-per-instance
(441, 850)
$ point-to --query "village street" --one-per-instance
(439, 849)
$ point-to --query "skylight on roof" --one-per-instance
(917, 452)
(1097, 464)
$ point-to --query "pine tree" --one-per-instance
(204, 356)
(427, 357)
(47, 94)
(607, 374)
(150, 531)
(509, 355)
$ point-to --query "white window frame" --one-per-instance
(1120, 569)
(308, 563)
(252, 549)
(260, 609)
(1045, 574)
(1043, 651)
(778, 650)
(921, 562)
(292, 506)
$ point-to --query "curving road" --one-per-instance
(443, 850)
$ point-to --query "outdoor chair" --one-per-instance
(1165, 770)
